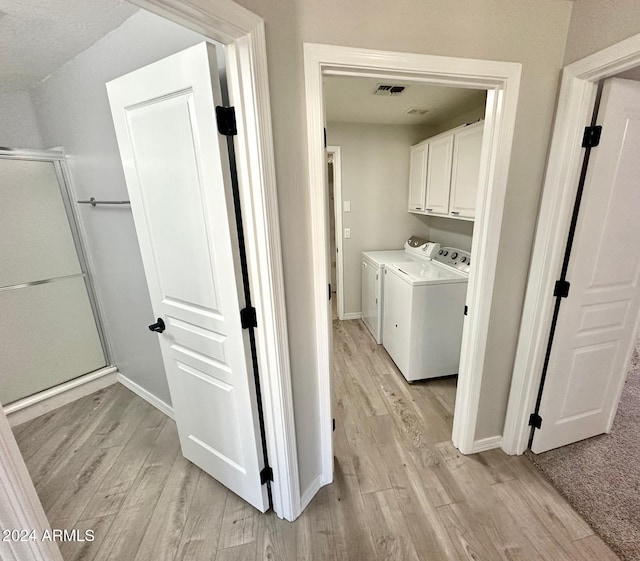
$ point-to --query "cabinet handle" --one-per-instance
(455, 212)
(364, 265)
(429, 209)
(417, 208)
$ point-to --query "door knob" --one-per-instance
(158, 327)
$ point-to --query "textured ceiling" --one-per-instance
(351, 100)
(39, 36)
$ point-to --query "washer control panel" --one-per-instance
(453, 257)
(421, 248)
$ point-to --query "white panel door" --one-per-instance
(439, 174)
(597, 322)
(465, 170)
(417, 176)
(177, 172)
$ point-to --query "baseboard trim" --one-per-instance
(45, 401)
(352, 315)
(311, 492)
(146, 395)
(485, 444)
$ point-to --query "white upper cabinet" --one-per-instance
(417, 176)
(465, 170)
(439, 174)
(444, 173)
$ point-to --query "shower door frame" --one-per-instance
(57, 158)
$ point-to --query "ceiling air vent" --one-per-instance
(389, 89)
(416, 111)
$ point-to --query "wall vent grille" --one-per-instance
(389, 89)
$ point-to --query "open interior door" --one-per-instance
(597, 322)
(176, 167)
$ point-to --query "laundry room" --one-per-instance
(371, 129)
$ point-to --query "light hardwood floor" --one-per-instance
(110, 462)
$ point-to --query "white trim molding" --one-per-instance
(20, 507)
(338, 210)
(33, 406)
(311, 491)
(489, 443)
(575, 107)
(352, 315)
(502, 81)
(146, 395)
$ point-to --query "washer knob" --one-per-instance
(463, 260)
(454, 255)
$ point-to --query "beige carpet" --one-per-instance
(600, 476)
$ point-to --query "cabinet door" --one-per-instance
(439, 174)
(465, 172)
(417, 176)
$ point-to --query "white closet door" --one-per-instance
(177, 170)
(597, 323)
(48, 333)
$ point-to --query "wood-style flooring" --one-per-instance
(111, 463)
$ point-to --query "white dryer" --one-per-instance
(373, 266)
(423, 313)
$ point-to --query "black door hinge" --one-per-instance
(466, 311)
(329, 291)
(248, 317)
(325, 137)
(333, 424)
(561, 288)
(535, 420)
(266, 475)
(591, 137)
(226, 119)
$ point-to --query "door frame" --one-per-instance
(575, 106)
(337, 210)
(243, 34)
(502, 82)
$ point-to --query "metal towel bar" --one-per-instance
(93, 202)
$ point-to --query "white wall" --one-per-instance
(375, 179)
(532, 33)
(470, 115)
(73, 111)
(18, 125)
(596, 24)
(450, 232)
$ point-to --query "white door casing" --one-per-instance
(177, 173)
(597, 323)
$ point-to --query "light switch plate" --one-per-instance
(346, 206)
(347, 233)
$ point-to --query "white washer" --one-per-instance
(373, 265)
(423, 313)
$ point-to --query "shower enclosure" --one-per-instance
(50, 330)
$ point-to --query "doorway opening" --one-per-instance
(68, 103)
(584, 425)
(576, 104)
(501, 84)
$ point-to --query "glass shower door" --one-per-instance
(48, 330)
